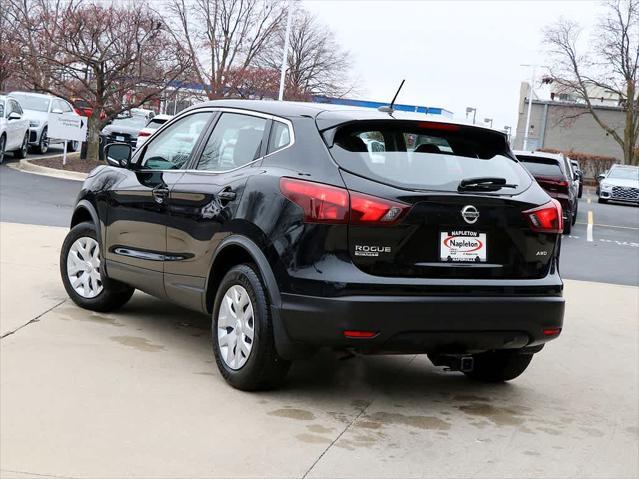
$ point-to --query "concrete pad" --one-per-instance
(137, 394)
(29, 279)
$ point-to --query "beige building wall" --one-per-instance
(579, 133)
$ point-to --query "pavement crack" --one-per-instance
(359, 414)
(34, 320)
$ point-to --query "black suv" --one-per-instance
(299, 226)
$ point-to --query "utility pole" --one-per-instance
(474, 110)
(285, 52)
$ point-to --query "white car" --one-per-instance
(620, 183)
(14, 128)
(37, 108)
(154, 123)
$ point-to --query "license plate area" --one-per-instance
(462, 246)
(119, 138)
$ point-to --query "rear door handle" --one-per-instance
(160, 194)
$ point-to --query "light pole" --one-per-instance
(530, 97)
(508, 129)
(489, 120)
(285, 52)
(468, 110)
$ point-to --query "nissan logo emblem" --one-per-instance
(470, 214)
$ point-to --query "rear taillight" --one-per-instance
(144, 133)
(330, 204)
(547, 218)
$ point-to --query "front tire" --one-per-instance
(73, 146)
(22, 152)
(499, 366)
(43, 144)
(3, 143)
(601, 200)
(242, 332)
(80, 268)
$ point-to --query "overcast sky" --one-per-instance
(453, 54)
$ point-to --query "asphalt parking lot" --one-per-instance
(137, 394)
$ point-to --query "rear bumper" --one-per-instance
(405, 324)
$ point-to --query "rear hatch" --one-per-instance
(548, 172)
(460, 199)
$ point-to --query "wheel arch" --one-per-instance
(234, 250)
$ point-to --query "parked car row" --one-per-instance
(560, 177)
(24, 120)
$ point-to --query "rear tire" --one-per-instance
(242, 332)
(80, 262)
(568, 226)
(499, 366)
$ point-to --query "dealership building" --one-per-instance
(563, 122)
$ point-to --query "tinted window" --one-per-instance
(155, 124)
(541, 166)
(15, 106)
(425, 155)
(235, 141)
(280, 136)
(1, 109)
(130, 122)
(172, 148)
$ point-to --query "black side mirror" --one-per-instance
(600, 177)
(118, 154)
(14, 116)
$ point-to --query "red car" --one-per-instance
(82, 107)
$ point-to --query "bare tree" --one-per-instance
(223, 38)
(610, 65)
(9, 49)
(115, 57)
(316, 63)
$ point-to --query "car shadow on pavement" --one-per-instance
(327, 372)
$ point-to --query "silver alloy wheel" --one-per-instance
(235, 327)
(83, 267)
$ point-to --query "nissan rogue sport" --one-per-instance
(282, 222)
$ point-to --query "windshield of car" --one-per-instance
(425, 155)
(31, 102)
(135, 121)
(541, 166)
(624, 173)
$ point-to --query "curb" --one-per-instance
(28, 167)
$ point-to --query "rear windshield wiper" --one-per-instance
(484, 183)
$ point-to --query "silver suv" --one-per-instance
(620, 183)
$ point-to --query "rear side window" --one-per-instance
(425, 155)
(280, 136)
(155, 124)
(235, 141)
(541, 166)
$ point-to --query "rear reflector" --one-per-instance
(144, 133)
(360, 334)
(547, 218)
(552, 331)
(329, 204)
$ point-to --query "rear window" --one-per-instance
(541, 166)
(154, 124)
(425, 155)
